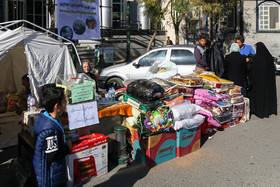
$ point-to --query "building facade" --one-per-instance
(261, 24)
(38, 12)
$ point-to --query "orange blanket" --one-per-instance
(123, 109)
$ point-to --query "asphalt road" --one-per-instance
(245, 155)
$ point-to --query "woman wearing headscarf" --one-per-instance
(236, 67)
(263, 97)
(85, 68)
(215, 59)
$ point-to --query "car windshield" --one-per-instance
(182, 57)
(149, 59)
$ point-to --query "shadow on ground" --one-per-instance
(7, 171)
(127, 176)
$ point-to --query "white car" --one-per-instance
(277, 65)
(115, 75)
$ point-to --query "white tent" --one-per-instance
(27, 51)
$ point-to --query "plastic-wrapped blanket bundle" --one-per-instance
(185, 115)
(207, 94)
(209, 117)
(217, 108)
(216, 81)
(238, 110)
(236, 98)
(246, 111)
(145, 89)
(159, 120)
(169, 88)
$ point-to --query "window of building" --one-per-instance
(268, 16)
(30, 10)
(36, 12)
(15, 10)
(230, 17)
(118, 16)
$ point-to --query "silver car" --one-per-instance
(115, 75)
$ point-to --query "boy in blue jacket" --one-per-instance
(50, 147)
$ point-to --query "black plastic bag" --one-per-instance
(145, 89)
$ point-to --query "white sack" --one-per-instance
(188, 123)
(184, 110)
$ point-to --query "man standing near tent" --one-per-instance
(23, 95)
(26, 84)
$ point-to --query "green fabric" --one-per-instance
(234, 48)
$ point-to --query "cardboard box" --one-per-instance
(129, 133)
(188, 140)
(88, 158)
(28, 121)
(154, 149)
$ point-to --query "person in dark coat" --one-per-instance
(200, 55)
(215, 59)
(236, 67)
(263, 96)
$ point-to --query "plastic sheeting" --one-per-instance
(27, 51)
(162, 69)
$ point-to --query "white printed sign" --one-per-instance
(82, 115)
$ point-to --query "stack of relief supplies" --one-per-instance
(222, 103)
(149, 113)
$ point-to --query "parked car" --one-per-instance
(277, 65)
(115, 75)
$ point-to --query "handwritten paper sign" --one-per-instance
(82, 115)
(82, 92)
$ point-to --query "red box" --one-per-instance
(84, 168)
(188, 140)
(88, 158)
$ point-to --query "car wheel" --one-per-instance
(115, 82)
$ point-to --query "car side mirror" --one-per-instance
(136, 65)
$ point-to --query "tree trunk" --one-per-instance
(176, 26)
(151, 41)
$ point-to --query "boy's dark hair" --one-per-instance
(241, 38)
(202, 36)
(51, 96)
(25, 77)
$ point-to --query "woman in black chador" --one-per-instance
(263, 89)
(215, 59)
(235, 64)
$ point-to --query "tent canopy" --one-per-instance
(23, 51)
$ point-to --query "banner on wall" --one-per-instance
(79, 19)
